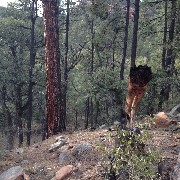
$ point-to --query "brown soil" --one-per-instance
(42, 165)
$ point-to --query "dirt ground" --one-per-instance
(42, 165)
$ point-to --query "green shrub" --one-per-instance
(130, 158)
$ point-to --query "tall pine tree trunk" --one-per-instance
(91, 109)
(64, 90)
(169, 61)
(86, 114)
(165, 35)
(18, 91)
(125, 41)
(52, 57)
(135, 32)
(31, 66)
(170, 55)
(10, 132)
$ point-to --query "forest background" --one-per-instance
(95, 59)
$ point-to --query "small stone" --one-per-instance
(19, 151)
(70, 147)
(25, 162)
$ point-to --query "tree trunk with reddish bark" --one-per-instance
(52, 57)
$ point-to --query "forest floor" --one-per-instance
(42, 165)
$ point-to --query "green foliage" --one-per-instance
(130, 159)
(147, 123)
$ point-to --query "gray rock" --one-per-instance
(175, 111)
(176, 174)
(56, 146)
(116, 123)
(82, 149)
(60, 138)
(14, 173)
(19, 151)
(178, 115)
(80, 152)
(104, 126)
(65, 158)
(25, 162)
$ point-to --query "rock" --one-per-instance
(60, 138)
(82, 151)
(162, 120)
(56, 145)
(104, 126)
(14, 173)
(25, 162)
(178, 115)
(65, 172)
(19, 151)
(116, 123)
(175, 111)
(54, 178)
(176, 173)
(65, 158)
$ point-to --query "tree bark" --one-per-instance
(87, 114)
(76, 120)
(17, 89)
(31, 66)
(125, 41)
(96, 113)
(164, 93)
(169, 59)
(92, 48)
(10, 131)
(52, 57)
(64, 91)
(135, 32)
(165, 36)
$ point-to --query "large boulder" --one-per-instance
(163, 120)
(81, 152)
(14, 173)
(82, 149)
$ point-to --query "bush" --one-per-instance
(130, 158)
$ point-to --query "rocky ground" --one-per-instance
(42, 160)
